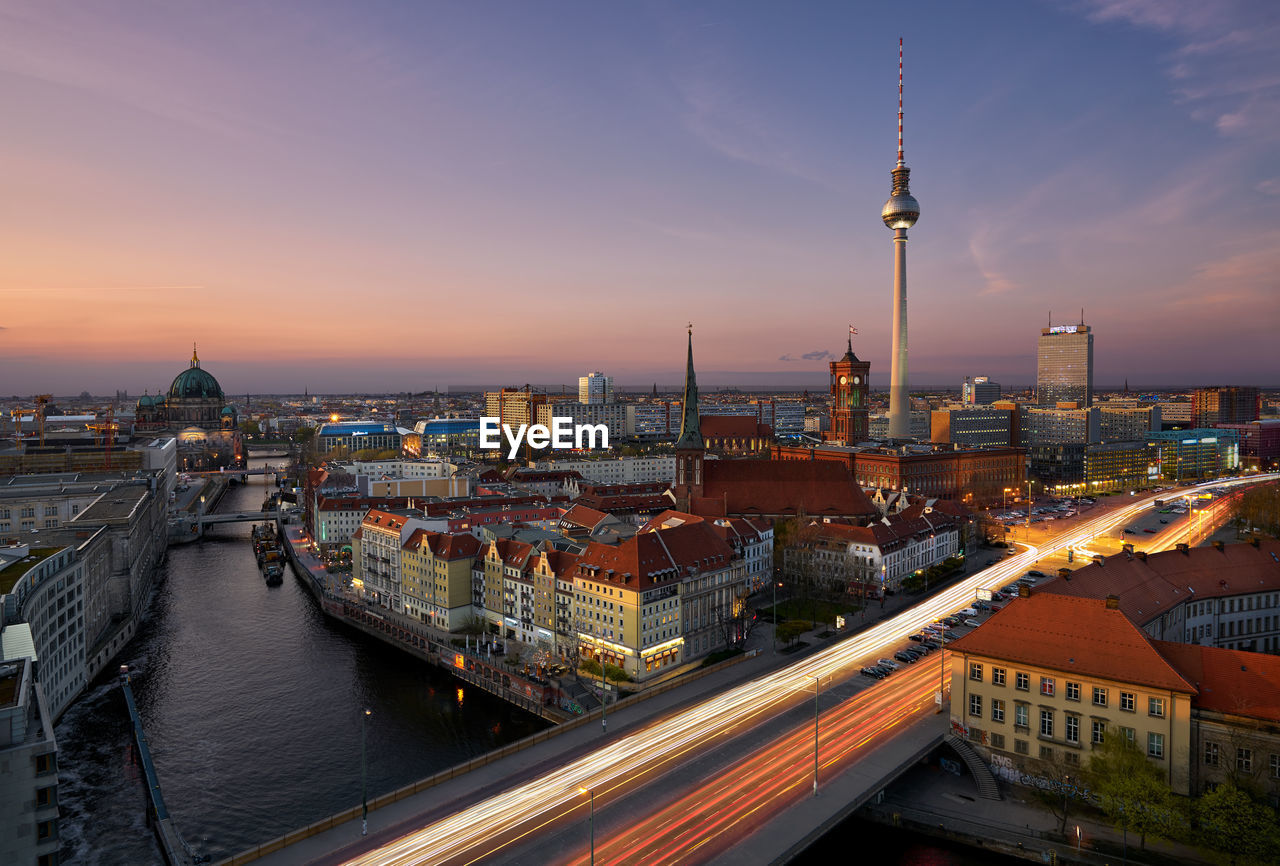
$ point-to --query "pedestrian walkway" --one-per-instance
(931, 799)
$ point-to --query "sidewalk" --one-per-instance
(940, 803)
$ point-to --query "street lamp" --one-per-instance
(815, 736)
(1007, 491)
(590, 792)
(604, 695)
(364, 776)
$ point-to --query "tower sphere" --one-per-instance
(901, 211)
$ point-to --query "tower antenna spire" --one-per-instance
(901, 161)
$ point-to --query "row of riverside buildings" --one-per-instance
(1176, 651)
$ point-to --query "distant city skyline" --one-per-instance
(396, 197)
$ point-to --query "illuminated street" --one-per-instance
(491, 826)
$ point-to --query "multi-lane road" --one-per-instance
(693, 826)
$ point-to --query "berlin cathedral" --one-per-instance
(198, 416)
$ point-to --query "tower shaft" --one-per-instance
(899, 399)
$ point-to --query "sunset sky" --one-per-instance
(385, 196)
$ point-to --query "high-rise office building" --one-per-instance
(1064, 365)
(979, 391)
(595, 388)
(1224, 404)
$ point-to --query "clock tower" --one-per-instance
(849, 413)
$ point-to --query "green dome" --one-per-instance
(194, 383)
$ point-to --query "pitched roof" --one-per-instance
(1075, 636)
(1229, 681)
(1149, 587)
(581, 515)
(655, 557)
(780, 487)
(445, 545)
(734, 425)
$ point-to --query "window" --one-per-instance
(1046, 723)
(975, 706)
(997, 742)
(47, 763)
(1023, 683)
(1099, 697)
(1073, 729)
(1155, 745)
(1211, 754)
(1047, 686)
(1128, 734)
(1127, 701)
(47, 830)
(1155, 707)
(1020, 716)
(1073, 691)
(1069, 757)
(46, 797)
(1099, 732)
(1020, 746)
(997, 710)
(997, 676)
(1046, 753)
(975, 672)
(1244, 760)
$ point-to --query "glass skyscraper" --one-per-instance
(1064, 365)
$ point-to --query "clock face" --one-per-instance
(844, 380)
(857, 380)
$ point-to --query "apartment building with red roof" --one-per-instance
(435, 577)
(1225, 595)
(665, 597)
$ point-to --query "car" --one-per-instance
(916, 653)
(1162, 520)
(982, 605)
(972, 623)
(996, 607)
(1148, 530)
(1128, 530)
(916, 637)
(932, 643)
(905, 657)
(874, 672)
(950, 620)
(1034, 573)
(924, 648)
(887, 663)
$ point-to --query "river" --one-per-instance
(252, 701)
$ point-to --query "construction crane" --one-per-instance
(17, 415)
(107, 430)
(41, 401)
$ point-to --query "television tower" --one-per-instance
(900, 213)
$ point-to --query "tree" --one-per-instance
(250, 428)
(1133, 791)
(736, 623)
(1231, 823)
(790, 630)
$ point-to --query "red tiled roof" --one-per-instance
(1073, 635)
(560, 562)
(656, 557)
(899, 529)
(1229, 681)
(444, 544)
(715, 426)
(780, 487)
(1165, 580)
(581, 515)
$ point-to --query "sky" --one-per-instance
(387, 196)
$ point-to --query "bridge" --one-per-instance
(749, 775)
(209, 473)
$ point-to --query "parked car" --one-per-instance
(1162, 520)
(996, 607)
(932, 643)
(1129, 530)
(982, 605)
(1034, 573)
(887, 663)
(972, 623)
(916, 637)
(874, 672)
(924, 648)
(1149, 530)
(950, 620)
(905, 657)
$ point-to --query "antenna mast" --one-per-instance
(900, 158)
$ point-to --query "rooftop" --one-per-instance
(10, 574)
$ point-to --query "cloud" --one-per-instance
(1270, 186)
(1224, 67)
(815, 355)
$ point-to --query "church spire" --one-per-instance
(195, 359)
(690, 427)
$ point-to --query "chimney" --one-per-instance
(1099, 559)
(1113, 602)
(1219, 546)
(1183, 549)
(1142, 555)
(1127, 548)
(1064, 573)
(1024, 591)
